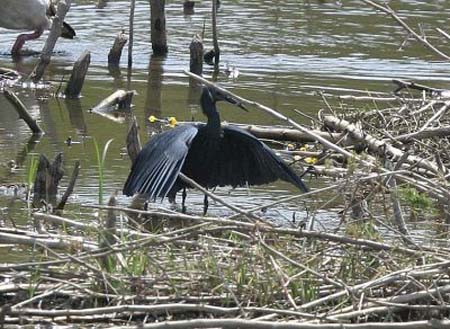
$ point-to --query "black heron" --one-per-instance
(209, 154)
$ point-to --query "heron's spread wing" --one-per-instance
(157, 166)
(243, 159)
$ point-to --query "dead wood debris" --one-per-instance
(194, 271)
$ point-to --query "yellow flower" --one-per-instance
(304, 148)
(311, 160)
(290, 147)
(152, 119)
(172, 121)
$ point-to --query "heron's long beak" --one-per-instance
(234, 101)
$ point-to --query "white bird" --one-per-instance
(29, 15)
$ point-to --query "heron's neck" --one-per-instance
(213, 124)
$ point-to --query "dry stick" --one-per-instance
(391, 182)
(252, 324)
(55, 32)
(130, 33)
(377, 146)
(283, 133)
(22, 111)
(445, 34)
(215, 41)
(436, 116)
(65, 221)
(80, 68)
(348, 313)
(283, 231)
(419, 38)
(424, 134)
(116, 50)
(52, 241)
(382, 281)
(69, 190)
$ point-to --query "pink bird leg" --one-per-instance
(22, 38)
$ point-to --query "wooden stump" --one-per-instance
(80, 68)
(116, 50)
(188, 7)
(133, 141)
(196, 51)
(158, 27)
(47, 180)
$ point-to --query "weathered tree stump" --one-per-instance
(133, 141)
(47, 180)
(80, 68)
(116, 50)
(158, 27)
(188, 7)
(196, 51)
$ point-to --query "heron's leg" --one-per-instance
(22, 38)
(183, 200)
(205, 205)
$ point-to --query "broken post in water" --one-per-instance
(80, 68)
(158, 27)
(116, 50)
(196, 52)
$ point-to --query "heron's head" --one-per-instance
(213, 95)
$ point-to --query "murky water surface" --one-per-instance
(284, 51)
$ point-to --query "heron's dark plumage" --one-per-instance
(209, 154)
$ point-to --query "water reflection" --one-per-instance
(76, 115)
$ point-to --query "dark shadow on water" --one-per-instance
(76, 115)
(153, 96)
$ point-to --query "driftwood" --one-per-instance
(116, 50)
(80, 68)
(22, 111)
(55, 32)
(115, 105)
(158, 27)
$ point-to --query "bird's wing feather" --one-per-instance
(244, 159)
(157, 166)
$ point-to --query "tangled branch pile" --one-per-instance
(205, 272)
